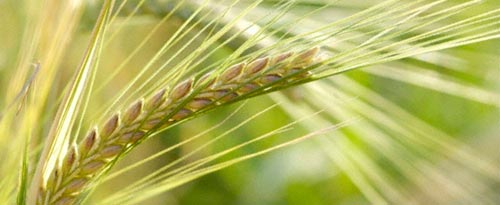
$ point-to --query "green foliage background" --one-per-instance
(303, 173)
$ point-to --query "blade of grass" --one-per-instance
(59, 134)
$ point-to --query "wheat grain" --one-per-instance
(101, 147)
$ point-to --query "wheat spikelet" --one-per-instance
(101, 147)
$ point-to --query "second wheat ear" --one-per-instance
(119, 133)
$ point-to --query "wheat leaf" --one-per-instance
(59, 136)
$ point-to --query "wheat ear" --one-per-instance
(100, 148)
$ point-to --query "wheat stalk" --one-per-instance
(100, 148)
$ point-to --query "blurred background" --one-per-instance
(428, 131)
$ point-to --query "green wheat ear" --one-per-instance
(120, 133)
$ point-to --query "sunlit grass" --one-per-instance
(410, 94)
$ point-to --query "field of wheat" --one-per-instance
(249, 102)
